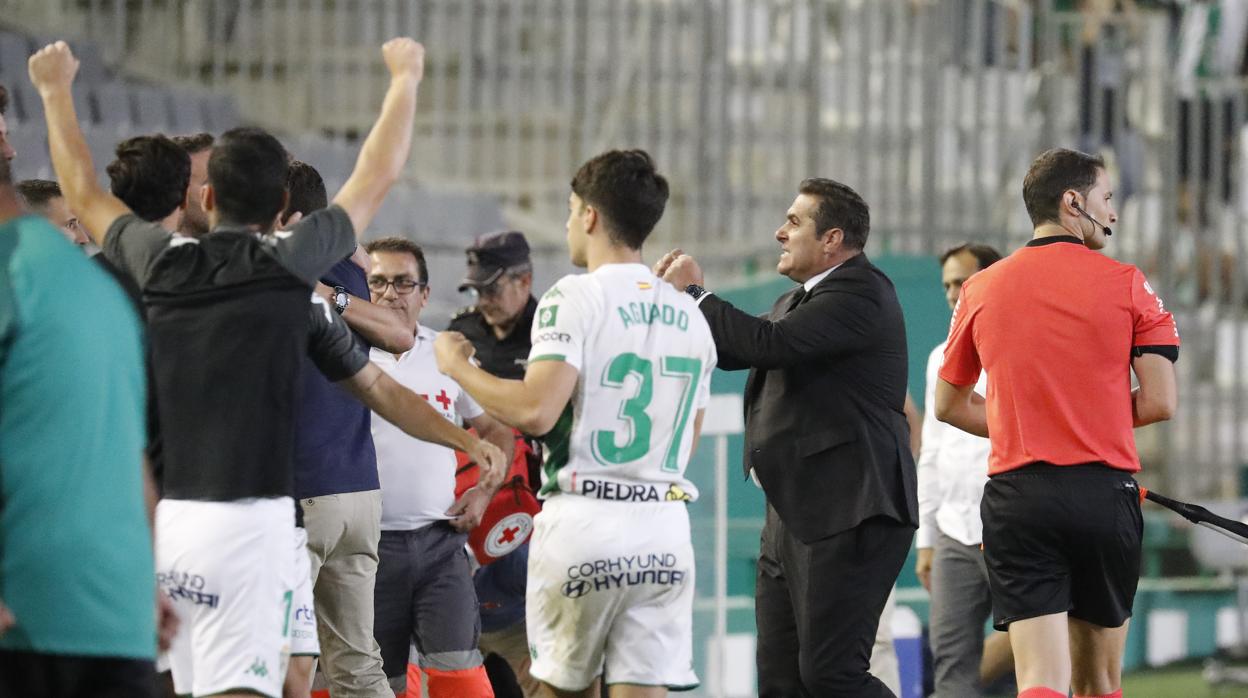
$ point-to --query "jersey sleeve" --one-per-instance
(1153, 324)
(330, 345)
(132, 244)
(562, 323)
(316, 243)
(961, 365)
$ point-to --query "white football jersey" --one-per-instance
(645, 355)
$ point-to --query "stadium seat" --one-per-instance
(102, 142)
(27, 106)
(115, 108)
(31, 143)
(188, 111)
(14, 50)
(152, 108)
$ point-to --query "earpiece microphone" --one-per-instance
(1085, 214)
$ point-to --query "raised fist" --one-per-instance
(404, 56)
(52, 67)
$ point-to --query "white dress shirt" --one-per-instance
(953, 468)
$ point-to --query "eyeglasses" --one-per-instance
(402, 285)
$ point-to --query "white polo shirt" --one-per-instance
(418, 477)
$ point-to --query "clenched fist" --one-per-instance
(53, 67)
(450, 349)
(403, 57)
(679, 269)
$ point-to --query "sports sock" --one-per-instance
(1041, 692)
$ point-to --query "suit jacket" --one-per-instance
(824, 427)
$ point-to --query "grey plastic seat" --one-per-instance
(152, 110)
(102, 142)
(27, 106)
(91, 66)
(31, 143)
(114, 105)
(14, 51)
(188, 112)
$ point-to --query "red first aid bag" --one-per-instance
(508, 520)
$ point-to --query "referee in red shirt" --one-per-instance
(1058, 327)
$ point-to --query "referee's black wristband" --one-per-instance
(1169, 351)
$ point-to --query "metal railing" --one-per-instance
(932, 109)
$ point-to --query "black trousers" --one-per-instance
(817, 607)
(35, 675)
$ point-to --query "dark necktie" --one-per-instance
(795, 300)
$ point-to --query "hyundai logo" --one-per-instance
(576, 588)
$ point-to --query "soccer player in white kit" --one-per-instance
(618, 379)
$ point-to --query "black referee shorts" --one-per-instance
(1062, 538)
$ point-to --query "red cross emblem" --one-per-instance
(509, 535)
(444, 400)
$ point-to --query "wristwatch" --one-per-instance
(695, 291)
(341, 299)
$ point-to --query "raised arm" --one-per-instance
(52, 70)
(385, 151)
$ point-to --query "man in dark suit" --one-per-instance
(827, 439)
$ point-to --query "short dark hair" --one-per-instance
(36, 193)
(4, 100)
(1053, 173)
(150, 175)
(398, 244)
(839, 207)
(247, 171)
(6, 173)
(627, 191)
(195, 143)
(985, 255)
(307, 189)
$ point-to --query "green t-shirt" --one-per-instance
(75, 548)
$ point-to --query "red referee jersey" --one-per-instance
(1054, 325)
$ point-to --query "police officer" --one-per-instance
(501, 273)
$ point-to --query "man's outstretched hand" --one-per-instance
(53, 68)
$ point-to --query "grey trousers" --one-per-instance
(960, 608)
(343, 530)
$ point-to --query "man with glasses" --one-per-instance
(424, 589)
